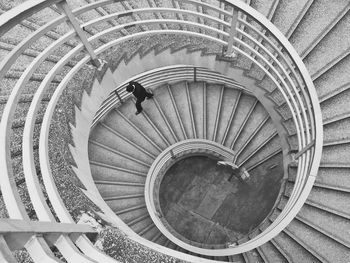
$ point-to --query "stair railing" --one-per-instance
(163, 75)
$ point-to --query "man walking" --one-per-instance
(140, 94)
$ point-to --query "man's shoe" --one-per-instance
(138, 112)
(149, 91)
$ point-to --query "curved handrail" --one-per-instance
(155, 175)
(31, 177)
(183, 72)
(13, 16)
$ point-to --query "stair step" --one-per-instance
(295, 251)
(324, 56)
(333, 93)
(131, 131)
(326, 248)
(265, 8)
(331, 199)
(102, 153)
(196, 90)
(142, 226)
(253, 256)
(173, 138)
(325, 208)
(154, 113)
(327, 223)
(312, 24)
(134, 215)
(182, 104)
(334, 165)
(262, 136)
(107, 173)
(286, 20)
(172, 111)
(148, 231)
(333, 79)
(229, 100)
(336, 142)
(245, 104)
(270, 253)
(336, 178)
(264, 155)
(131, 209)
(337, 105)
(140, 121)
(214, 103)
(156, 238)
(253, 125)
(120, 203)
(106, 135)
(336, 154)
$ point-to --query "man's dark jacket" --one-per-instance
(139, 92)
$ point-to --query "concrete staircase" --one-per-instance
(123, 146)
(319, 32)
(327, 202)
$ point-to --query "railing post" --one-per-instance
(222, 17)
(118, 96)
(230, 52)
(172, 154)
(79, 31)
(305, 149)
(194, 74)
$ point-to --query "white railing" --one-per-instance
(163, 75)
(260, 42)
(156, 173)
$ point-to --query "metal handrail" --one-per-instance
(160, 76)
(155, 176)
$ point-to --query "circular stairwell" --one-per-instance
(123, 146)
(317, 233)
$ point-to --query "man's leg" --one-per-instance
(149, 95)
(138, 106)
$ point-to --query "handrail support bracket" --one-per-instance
(305, 149)
(233, 31)
(98, 63)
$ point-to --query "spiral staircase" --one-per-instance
(70, 141)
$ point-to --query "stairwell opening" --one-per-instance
(204, 205)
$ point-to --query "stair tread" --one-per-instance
(327, 223)
(332, 46)
(324, 246)
(312, 23)
(334, 78)
(271, 253)
(284, 18)
(332, 199)
(106, 137)
(181, 100)
(196, 90)
(334, 178)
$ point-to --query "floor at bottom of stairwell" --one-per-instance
(202, 205)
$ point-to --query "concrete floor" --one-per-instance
(200, 203)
